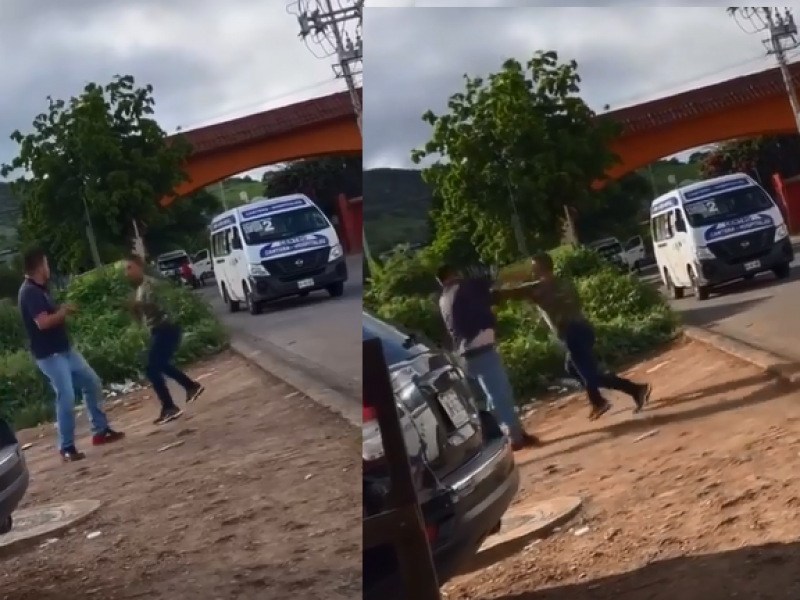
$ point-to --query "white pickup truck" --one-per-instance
(631, 255)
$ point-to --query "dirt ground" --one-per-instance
(696, 498)
(259, 501)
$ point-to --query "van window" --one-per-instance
(662, 227)
(219, 243)
(727, 205)
(283, 225)
(680, 223)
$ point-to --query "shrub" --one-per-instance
(104, 333)
(630, 316)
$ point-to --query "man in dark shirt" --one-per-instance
(466, 307)
(63, 366)
(561, 309)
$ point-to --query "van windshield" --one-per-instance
(727, 205)
(172, 262)
(608, 249)
(283, 225)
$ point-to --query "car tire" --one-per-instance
(782, 271)
(7, 525)
(336, 289)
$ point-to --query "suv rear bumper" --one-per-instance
(480, 492)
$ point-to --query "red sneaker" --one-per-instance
(108, 436)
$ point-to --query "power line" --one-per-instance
(781, 39)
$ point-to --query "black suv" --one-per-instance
(13, 475)
(461, 462)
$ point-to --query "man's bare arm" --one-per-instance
(525, 291)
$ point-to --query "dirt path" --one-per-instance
(259, 501)
(697, 498)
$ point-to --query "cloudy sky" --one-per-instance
(415, 57)
(208, 60)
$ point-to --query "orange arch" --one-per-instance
(337, 136)
(763, 117)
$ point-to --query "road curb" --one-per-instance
(774, 364)
(272, 364)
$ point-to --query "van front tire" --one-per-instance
(675, 292)
(701, 292)
(782, 271)
(232, 305)
(336, 289)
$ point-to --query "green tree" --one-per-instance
(185, 224)
(321, 179)
(623, 205)
(101, 152)
(522, 133)
(760, 157)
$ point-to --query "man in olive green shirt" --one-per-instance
(165, 337)
(561, 309)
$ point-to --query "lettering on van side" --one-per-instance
(306, 242)
(716, 188)
(223, 223)
(737, 226)
(251, 213)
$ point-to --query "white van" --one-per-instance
(715, 231)
(631, 255)
(275, 247)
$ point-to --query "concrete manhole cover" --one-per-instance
(524, 524)
(33, 525)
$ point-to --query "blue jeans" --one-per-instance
(487, 368)
(164, 342)
(66, 371)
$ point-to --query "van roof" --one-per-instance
(681, 192)
(245, 211)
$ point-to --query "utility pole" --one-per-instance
(781, 38)
(329, 27)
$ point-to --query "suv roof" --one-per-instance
(398, 346)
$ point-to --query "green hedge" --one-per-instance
(630, 316)
(106, 336)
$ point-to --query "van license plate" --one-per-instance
(454, 408)
(305, 283)
(753, 264)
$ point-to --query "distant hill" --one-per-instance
(395, 208)
(397, 200)
(9, 213)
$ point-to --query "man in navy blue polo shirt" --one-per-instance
(65, 368)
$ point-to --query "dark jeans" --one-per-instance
(581, 364)
(164, 342)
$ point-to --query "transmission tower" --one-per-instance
(332, 29)
(781, 38)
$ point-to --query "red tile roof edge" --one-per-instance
(270, 123)
(704, 100)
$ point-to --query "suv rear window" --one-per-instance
(392, 340)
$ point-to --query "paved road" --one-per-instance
(764, 312)
(320, 334)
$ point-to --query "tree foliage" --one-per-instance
(102, 148)
(321, 179)
(622, 207)
(522, 133)
(184, 224)
(760, 156)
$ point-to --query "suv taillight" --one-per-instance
(372, 442)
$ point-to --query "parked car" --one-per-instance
(14, 476)
(460, 459)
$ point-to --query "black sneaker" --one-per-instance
(167, 415)
(642, 396)
(108, 436)
(71, 454)
(194, 392)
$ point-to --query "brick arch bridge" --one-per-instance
(322, 126)
(742, 107)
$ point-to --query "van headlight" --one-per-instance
(781, 232)
(336, 252)
(704, 253)
(257, 270)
